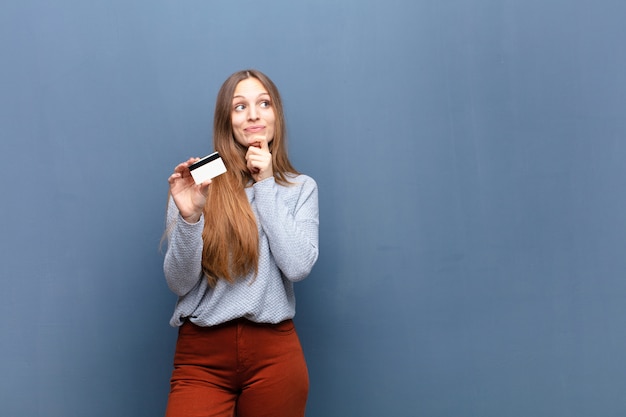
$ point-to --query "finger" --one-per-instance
(257, 159)
(257, 152)
(173, 177)
(180, 168)
(183, 168)
(263, 144)
(183, 165)
(253, 159)
(257, 141)
(251, 164)
(204, 187)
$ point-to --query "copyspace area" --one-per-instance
(470, 160)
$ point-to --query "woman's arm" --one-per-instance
(291, 222)
(183, 260)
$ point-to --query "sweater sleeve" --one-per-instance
(291, 222)
(183, 260)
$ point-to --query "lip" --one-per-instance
(254, 129)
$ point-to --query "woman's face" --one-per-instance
(252, 113)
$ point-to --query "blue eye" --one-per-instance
(239, 107)
(265, 104)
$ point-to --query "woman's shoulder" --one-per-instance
(299, 182)
(300, 179)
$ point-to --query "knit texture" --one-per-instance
(288, 224)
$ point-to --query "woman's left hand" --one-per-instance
(259, 160)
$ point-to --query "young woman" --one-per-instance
(235, 246)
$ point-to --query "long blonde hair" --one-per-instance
(230, 235)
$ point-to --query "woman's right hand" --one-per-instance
(188, 196)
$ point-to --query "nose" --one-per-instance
(252, 113)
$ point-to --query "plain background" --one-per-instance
(470, 156)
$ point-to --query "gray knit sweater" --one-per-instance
(288, 223)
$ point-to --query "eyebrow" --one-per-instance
(262, 94)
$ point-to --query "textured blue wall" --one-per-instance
(470, 157)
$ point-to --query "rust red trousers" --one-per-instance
(238, 369)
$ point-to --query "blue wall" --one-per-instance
(470, 157)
